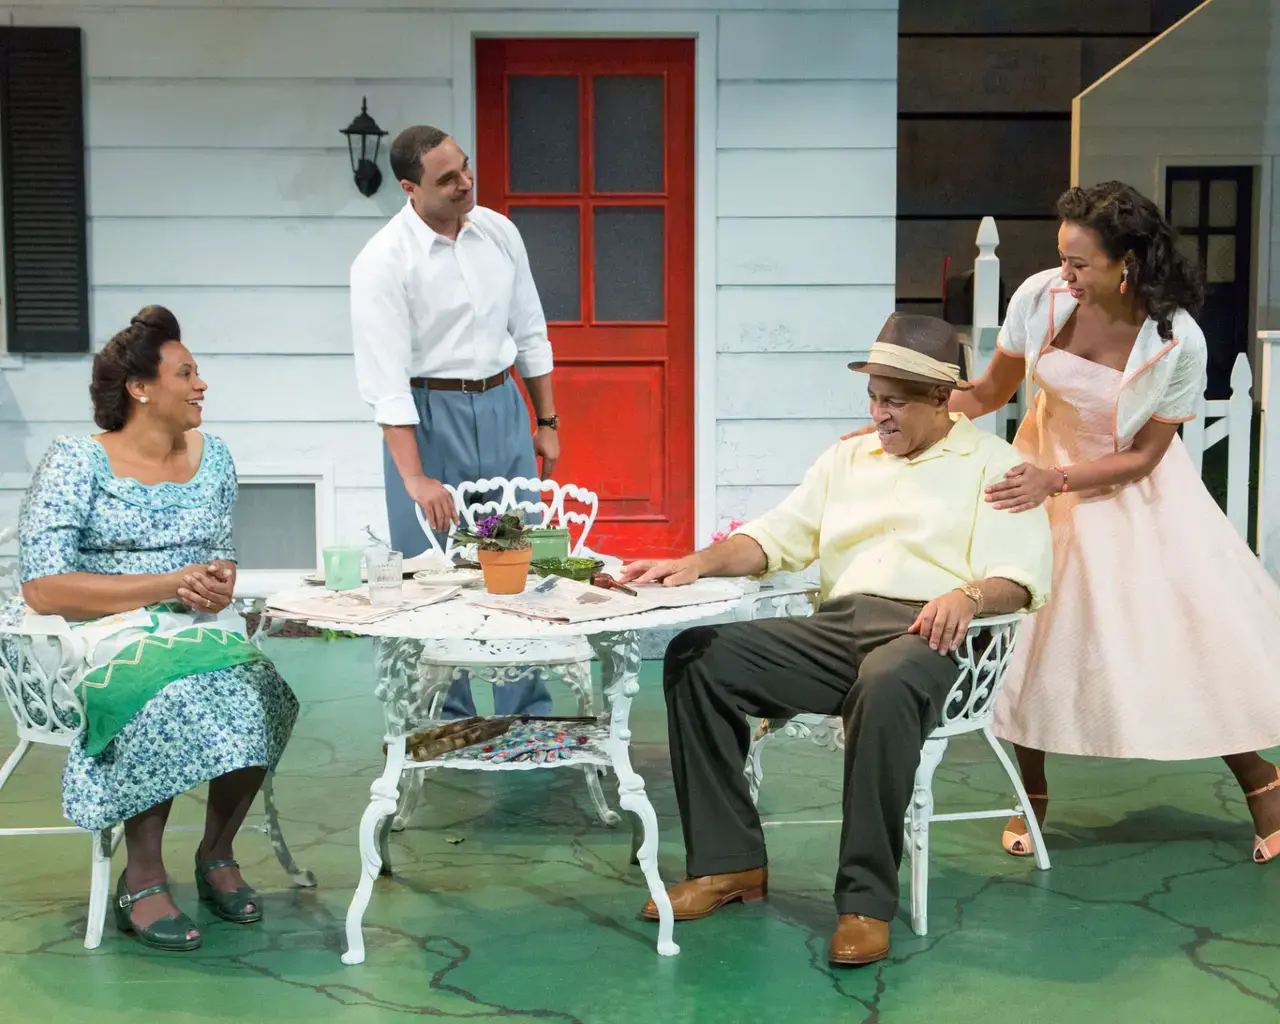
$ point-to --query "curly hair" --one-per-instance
(132, 354)
(1160, 277)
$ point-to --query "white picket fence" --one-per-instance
(1228, 421)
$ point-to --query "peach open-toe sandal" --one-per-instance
(1264, 849)
(1019, 843)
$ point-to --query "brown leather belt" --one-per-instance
(467, 387)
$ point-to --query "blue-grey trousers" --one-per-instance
(467, 437)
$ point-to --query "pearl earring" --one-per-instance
(144, 399)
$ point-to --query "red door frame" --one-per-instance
(589, 342)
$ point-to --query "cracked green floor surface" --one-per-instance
(1152, 911)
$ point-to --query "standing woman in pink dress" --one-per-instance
(1158, 641)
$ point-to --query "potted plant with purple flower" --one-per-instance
(504, 551)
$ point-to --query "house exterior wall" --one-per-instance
(1205, 92)
(218, 185)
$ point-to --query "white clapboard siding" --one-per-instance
(808, 115)
(217, 42)
(747, 502)
(472, 6)
(808, 45)
(741, 441)
(770, 385)
(842, 318)
(219, 186)
(265, 389)
(195, 184)
(829, 250)
(237, 321)
(353, 450)
(807, 183)
(263, 114)
(245, 252)
(358, 507)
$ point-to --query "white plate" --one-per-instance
(449, 577)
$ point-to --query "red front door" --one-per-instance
(587, 145)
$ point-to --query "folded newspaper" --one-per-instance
(353, 607)
(557, 599)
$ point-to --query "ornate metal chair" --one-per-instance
(40, 667)
(969, 707)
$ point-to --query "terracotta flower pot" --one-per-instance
(505, 572)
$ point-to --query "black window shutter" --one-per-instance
(42, 140)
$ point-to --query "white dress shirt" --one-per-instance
(423, 305)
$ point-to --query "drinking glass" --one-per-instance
(386, 578)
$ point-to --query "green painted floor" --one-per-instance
(512, 901)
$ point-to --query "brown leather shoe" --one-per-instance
(858, 940)
(701, 897)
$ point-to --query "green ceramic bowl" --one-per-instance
(581, 569)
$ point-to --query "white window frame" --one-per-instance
(320, 475)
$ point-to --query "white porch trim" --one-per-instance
(319, 475)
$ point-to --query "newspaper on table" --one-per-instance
(353, 607)
(561, 600)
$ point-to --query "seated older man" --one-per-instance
(911, 551)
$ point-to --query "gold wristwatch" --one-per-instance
(974, 593)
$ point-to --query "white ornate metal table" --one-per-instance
(616, 643)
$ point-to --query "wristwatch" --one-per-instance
(974, 593)
(549, 421)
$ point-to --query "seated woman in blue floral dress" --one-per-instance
(127, 535)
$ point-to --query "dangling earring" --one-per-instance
(1124, 281)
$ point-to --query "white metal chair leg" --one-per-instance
(297, 875)
(104, 844)
(1024, 803)
(11, 762)
(920, 814)
(410, 793)
(754, 769)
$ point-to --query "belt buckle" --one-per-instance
(468, 390)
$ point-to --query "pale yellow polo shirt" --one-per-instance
(908, 529)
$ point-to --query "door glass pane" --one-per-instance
(628, 133)
(542, 133)
(1220, 265)
(1189, 246)
(1184, 204)
(1222, 204)
(629, 263)
(551, 237)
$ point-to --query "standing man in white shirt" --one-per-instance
(443, 307)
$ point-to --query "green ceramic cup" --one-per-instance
(342, 567)
(549, 542)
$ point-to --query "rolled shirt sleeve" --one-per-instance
(1015, 546)
(380, 333)
(527, 323)
(789, 534)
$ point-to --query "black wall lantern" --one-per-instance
(364, 165)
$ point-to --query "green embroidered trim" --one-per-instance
(113, 693)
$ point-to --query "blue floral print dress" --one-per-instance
(78, 516)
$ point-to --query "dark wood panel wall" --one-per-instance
(984, 124)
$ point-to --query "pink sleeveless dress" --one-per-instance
(1159, 639)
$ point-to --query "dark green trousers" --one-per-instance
(854, 658)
